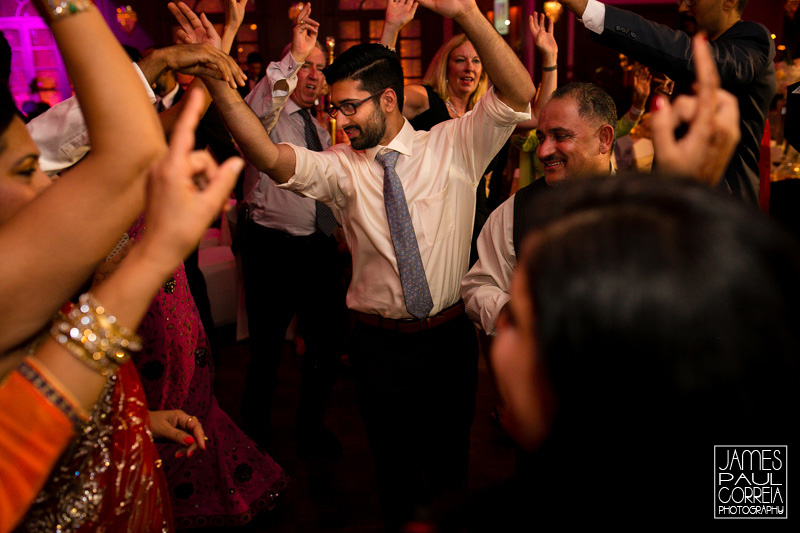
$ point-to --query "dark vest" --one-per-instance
(523, 212)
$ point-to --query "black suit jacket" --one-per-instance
(744, 56)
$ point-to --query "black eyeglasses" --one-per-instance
(350, 108)
(689, 3)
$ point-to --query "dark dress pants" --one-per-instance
(284, 275)
(416, 393)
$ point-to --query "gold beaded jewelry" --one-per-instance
(94, 336)
(54, 10)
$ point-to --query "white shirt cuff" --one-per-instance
(286, 69)
(150, 94)
(594, 16)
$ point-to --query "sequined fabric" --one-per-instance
(108, 479)
(232, 480)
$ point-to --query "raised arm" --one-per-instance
(398, 14)
(548, 48)
(55, 241)
(641, 92)
(196, 29)
(234, 16)
(199, 31)
(34, 430)
(511, 81)
(739, 61)
(576, 6)
(193, 59)
(253, 139)
(545, 42)
(276, 160)
(270, 95)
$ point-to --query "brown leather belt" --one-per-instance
(411, 325)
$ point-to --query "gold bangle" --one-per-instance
(94, 336)
(54, 10)
(89, 305)
(69, 337)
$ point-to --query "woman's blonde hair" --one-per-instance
(436, 76)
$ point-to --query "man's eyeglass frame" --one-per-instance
(349, 109)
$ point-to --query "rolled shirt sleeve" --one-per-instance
(485, 287)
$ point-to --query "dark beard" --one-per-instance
(372, 132)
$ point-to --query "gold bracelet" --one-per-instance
(54, 10)
(106, 326)
(94, 336)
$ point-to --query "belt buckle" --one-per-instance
(406, 325)
(424, 324)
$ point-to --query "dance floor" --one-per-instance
(340, 497)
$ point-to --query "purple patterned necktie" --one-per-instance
(326, 222)
(416, 292)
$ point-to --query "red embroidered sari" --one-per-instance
(110, 478)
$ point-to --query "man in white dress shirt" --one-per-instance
(576, 138)
(286, 232)
(406, 201)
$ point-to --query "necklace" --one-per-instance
(453, 109)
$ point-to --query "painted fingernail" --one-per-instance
(190, 453)
(178, 454)
(188, 440)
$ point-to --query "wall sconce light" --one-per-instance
(127, 18)
(553, 10)
(330, 44)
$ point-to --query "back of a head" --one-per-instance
(667, 317)
(373, 65)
